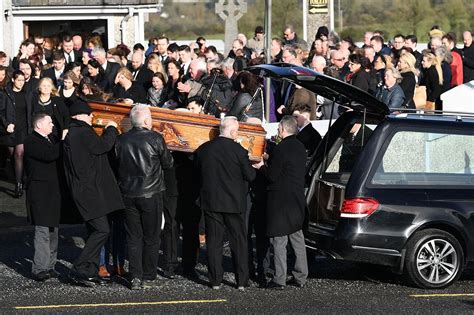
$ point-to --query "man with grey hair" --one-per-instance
(215, 89)
(142, 156)
(229, 72)
(318, 63)
(286, 203)
(224, 171)
(110, 68)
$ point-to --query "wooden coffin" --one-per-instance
(182, 131)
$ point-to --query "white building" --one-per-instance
(119, 20)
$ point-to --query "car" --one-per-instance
(394, 189)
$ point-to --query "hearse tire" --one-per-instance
(434, 259)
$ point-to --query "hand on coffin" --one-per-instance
(111, 123)
(259, 164)
(128, 101)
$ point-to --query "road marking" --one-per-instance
(36, 307)
(442, 295)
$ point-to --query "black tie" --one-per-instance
(69, 60)
(47, 138)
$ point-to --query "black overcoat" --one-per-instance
(88, 172)
(224, 170)
(43, 194)
(285, 174)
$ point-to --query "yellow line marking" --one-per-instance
(442, 295)
(118, 304)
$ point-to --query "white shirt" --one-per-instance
(57, 73)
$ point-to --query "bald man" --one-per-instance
(140, 73)
(468, 57)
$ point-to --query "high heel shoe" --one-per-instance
(18, 190)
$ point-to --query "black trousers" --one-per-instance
(216, 223)
(98, 231)
(257, 224)
(143, 227)
(189, 215)
(170, 233)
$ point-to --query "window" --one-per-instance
(419, 158)
(349, 146)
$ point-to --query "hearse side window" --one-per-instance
(349, 147)
(422, 158)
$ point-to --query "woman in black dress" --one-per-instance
(68, 91)
(16, 104)
(47, 101)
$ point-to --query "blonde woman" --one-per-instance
(155, 65)
(48, 101)
(391, 93)
(406, 66)
(127, 90)
(432, 78)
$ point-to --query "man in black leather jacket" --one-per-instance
(142, 156)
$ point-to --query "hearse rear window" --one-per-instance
(419, 158)
(348, 146)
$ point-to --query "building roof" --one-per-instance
(37, 3)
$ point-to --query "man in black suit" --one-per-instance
(140, 73)
(184, 53)
(225, 170)
(110, 68)
(70, 54)
(309, 136)
(43, 198)
(56, 72)
(286, 204)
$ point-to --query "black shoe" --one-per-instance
(169, 274)
(42, 276)
(136, 284)
(295, 283)
(80, 279)
(18, 190)
(275, 286)
(191, 275)
(54, 274)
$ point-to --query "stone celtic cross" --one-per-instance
(230, 11)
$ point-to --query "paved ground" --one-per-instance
(333, 286)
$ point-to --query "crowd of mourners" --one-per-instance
(45, 123)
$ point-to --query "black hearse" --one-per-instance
(389, 189)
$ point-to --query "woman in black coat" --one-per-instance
(358, 76)
(406, 65)
(248, 102)
(16, 116)
(432, 78)
(47, 101)
(126, 89)
(97, 75)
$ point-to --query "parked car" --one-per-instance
(389, 189)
